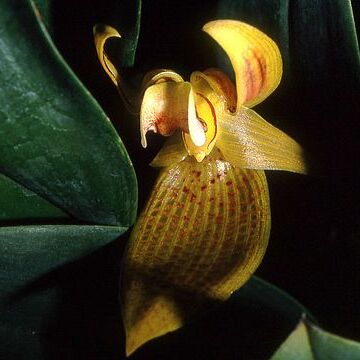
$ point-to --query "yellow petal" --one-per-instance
(164, 109)
(172, 152)
(254, 56)
(102, 33)
(211, 86)
(248, 141)
(200, 237)
(160, 75)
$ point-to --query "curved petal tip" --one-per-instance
(255, 57)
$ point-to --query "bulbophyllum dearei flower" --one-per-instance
(205, 227)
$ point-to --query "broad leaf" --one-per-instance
(19, 204)
(55, 139)
(309, 342)
(61, 163)
(42, 283)
(259, 291)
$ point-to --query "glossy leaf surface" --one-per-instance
(55, 139)
(19, 203)
(61, 162)
(36, 276)
(309, 342)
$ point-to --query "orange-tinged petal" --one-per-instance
(248, 141)
(222, 84)
(200, 237)
(164, 109)
(168, 106)
(255, 58)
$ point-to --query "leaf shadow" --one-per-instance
(244, 327)
(84, 321)
(239, 328)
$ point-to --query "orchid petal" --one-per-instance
(200, 237)
(172, 152)
(164, 109)
(254, 56)
(168, 106)
(222, 84)
(160, 75)
(102, 33)
(248, 141)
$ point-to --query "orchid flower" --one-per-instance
(205, 227)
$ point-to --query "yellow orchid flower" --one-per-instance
(206, 225)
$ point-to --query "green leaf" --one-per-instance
(309, 342)
(324, 49)
(127, 20)
(40, 281)
(30, 251)
(55, 139)
(44, 9)
(277, 300)
(124, 15)
(19, 203)
(61, 162)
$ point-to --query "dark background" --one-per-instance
(314, 248)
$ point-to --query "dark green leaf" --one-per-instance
(43, 7)
(19, 203)
(277, 300)
(128, 15)
(309, 342)
(324, 49)
(27, 252)
(55, 139)
(40, 280)
(59, 155)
